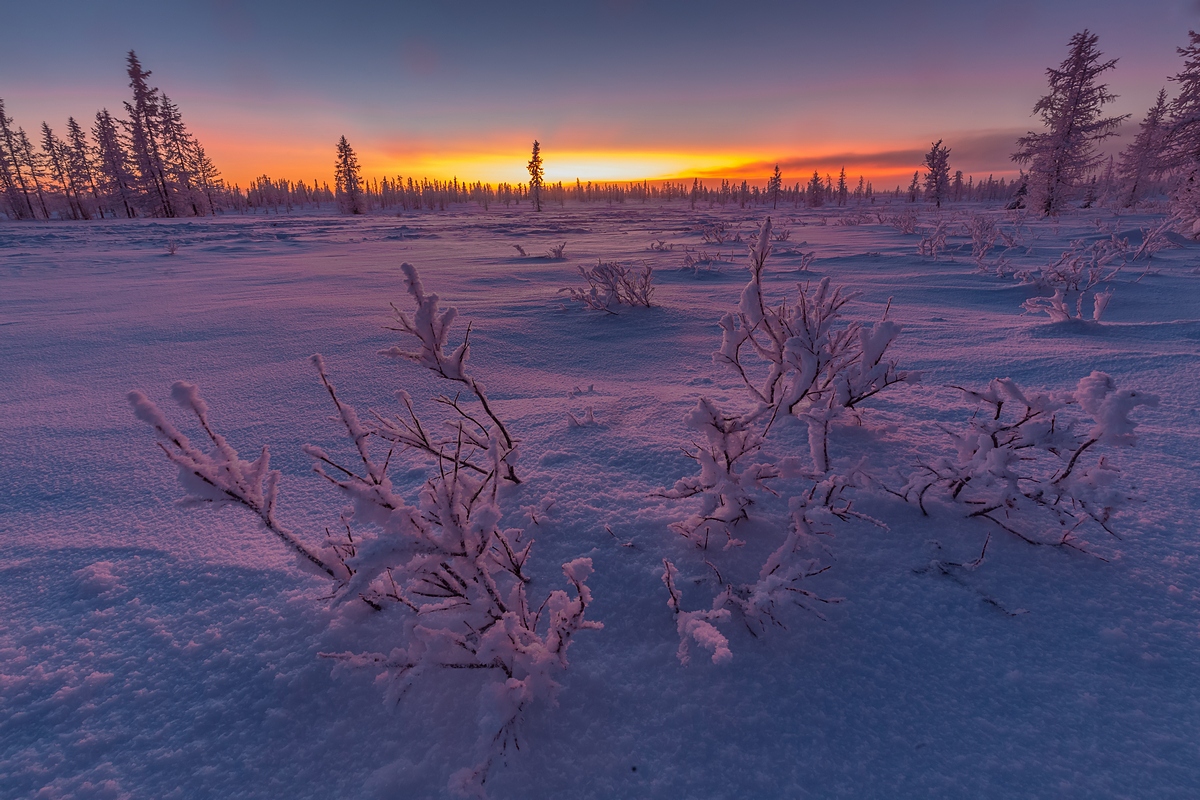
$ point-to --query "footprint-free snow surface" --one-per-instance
(150, 650)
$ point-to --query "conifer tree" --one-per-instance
(115, 176)
(536, 176)
(1145, 159)
(347, 181)
(842, 189)
(1061, 157)
(1183, 146)
(1183, 136)
(937, 175)
(79, 164)
(774, 184)
(144, 132)
(914, 188)
(816, 191)
(177, 154)
(16, 190)
(33, 167)
(55, 153)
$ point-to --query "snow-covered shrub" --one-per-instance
(453, 578)
(904, 221)
(806, 260)
(1155, 238)
(557, 252)
(715, 233)
(430, 326)
(802, 361)
(1027, 462)
(933, 243)
(520, 250)
(1075, 275)
(983, 231)
(782, 234)
(611, 284)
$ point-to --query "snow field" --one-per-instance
(154, 651)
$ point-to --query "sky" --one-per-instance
(613, 89)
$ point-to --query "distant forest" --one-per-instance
(147, 164)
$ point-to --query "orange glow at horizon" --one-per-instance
(241, 162)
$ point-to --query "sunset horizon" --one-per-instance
(269, 95)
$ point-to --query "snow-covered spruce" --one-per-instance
(819, 370)
(1028, 463)
(611, 284)
(453, 577)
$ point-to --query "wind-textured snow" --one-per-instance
(156, 651)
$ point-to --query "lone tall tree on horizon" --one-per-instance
(347, 182)
(774, 184)
(937, 179)
(535, 176)
(1061, 157)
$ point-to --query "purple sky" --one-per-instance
(613, 89)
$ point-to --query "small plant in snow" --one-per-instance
(611, 284)
(806, 260)
(983, 232)
(556, 252)
(1155, 239)
(456, 580)
(172, 247)
(818, 369)
(430, 326)
(520, 250)
(1074, 276)
(904, 221)
(782, 234)
(933, 243)
(716, 233)
(661, 245)
(1027, 461)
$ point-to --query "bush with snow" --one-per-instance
(453, 578)
(1074, 276)
(799, 361)
(1027, 462)
(611, 284)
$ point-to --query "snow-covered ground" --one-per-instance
(154, 651)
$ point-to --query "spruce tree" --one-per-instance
(115, 176)
(55, 156)
(774, 184)
(536, 176)
(347, 181)
(816, 191)
(144, 132)
(79, 164)
(16, 188)
(33, 167)
(937, 175)
(1061, 157)
(1145, 159)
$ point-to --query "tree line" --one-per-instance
(146, 164)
